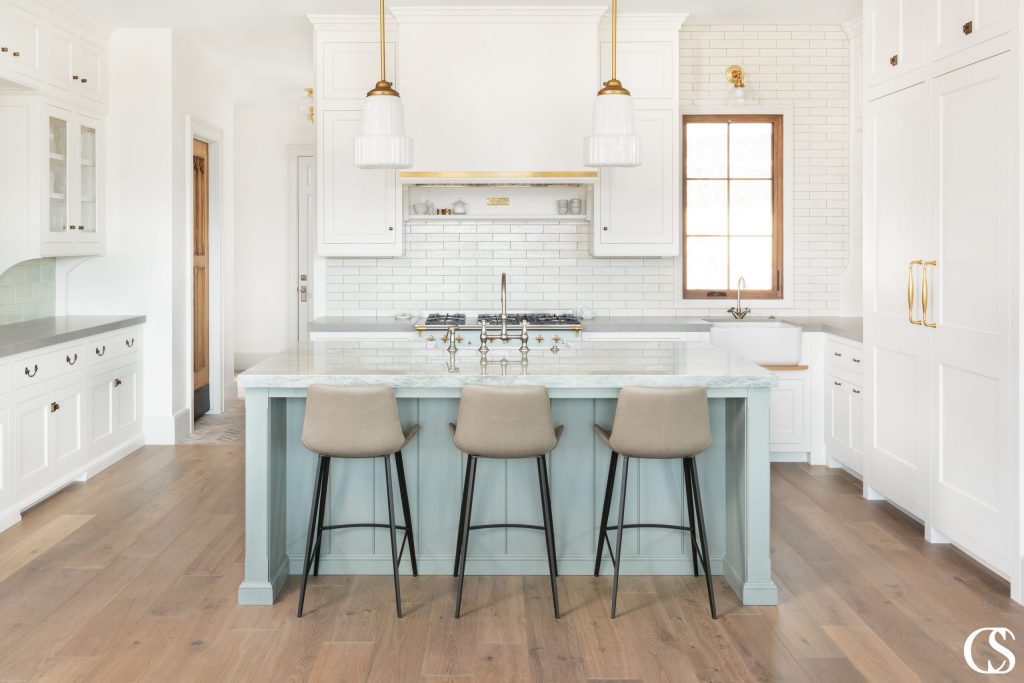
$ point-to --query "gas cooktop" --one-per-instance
(557, 321)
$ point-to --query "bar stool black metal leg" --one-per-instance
(464, 533)
(391, 534)
(549, 529)
(322, 496)
(307, 558)
(602, 531)
(705, 556)
(403, 491)
(462, 516)
(687, 469)
(547, 489)
(617, 560)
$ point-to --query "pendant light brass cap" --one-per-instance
(383, 88)
(612, 87)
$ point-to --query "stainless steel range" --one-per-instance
(500, 327)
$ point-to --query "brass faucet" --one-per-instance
(738, 311)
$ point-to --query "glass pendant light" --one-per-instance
(614, 142)
(383, 143)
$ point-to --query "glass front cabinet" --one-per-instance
(72, 224)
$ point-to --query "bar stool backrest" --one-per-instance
(652, 422)
(352, 422)
(505, 422)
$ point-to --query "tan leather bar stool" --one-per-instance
(355, 422)
(660, 424)
(501, 423)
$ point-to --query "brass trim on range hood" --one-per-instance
(498, 174)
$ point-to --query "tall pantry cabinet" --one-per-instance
(940, 244)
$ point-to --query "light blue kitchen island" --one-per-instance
(583, 379)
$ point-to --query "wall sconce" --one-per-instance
(734, 74)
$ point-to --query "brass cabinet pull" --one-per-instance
(894, 60)
(968, 28)
(70, 360)
(117, 383)
(910, 291)
(924, 294)
(100, 350)
(130, 343)
(33, 372)
(54, 407)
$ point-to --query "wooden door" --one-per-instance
(200, 277)
(971, 304)
(897, 207)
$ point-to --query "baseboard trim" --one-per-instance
(182, 424)
(778, 456)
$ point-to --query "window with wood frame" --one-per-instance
(732, 206)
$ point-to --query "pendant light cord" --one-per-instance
(615, 15)
(382, 65)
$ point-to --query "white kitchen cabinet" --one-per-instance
(789, 414)
(359, 208)
(66, 413)
(20, 130)
(72, 223)
(638, 213)
(20, 42)
(349, 69)
(844, 422)
(940, 310)
(896, 34)
(963, 23)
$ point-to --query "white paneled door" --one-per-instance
(969, 303)
(897, 149)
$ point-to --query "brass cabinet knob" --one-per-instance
(85, 80)
(70, 360)
(458, 339)
(54, 407)
(968, 28)
(556, 339)
(894, 60)
(16, 54)
(75, 77)
(33, 372)
(117, 382)
(539, 338)
(430, 338)
(3, 49)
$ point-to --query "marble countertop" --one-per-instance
(36, 334)
(848, 328)
(403, 363)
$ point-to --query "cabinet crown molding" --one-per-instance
(529, 14)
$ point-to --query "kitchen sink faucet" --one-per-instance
(738, 311)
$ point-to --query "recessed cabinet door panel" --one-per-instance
(897, 211)
(787, 412)
(6, 458)
(24, 31)
(962, 23)
(127, 402)
(32, 443)
(358, 217)
(56, 58)
(644, 67)
(68, 448)
(102, 418)
(969, 299)
(896, 37)
(638, 213)
(87, 64)
(350, 69)
(839, 412)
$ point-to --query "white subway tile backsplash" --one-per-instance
(28, 291)
(454, 266)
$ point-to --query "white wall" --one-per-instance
(263, 133)
(203, 97)
(135, 276)
(156, 82)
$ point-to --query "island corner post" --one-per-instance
(734, 473)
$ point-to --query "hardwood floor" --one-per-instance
(132, 576)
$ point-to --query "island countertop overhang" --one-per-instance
(412, 365)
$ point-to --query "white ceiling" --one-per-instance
(268, 44)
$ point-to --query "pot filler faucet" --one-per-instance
(737, 311)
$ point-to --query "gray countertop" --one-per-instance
(36, 334)
(848, 328)
(411, 364)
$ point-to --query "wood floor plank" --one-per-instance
(133, 575)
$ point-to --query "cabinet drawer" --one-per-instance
(33, 370)
(844, 356)
(117, 345)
